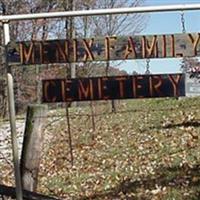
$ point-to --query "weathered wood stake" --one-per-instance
(32, 146)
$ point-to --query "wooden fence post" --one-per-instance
(32, 146)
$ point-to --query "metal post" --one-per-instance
(141, 9)
(11, 106)
(6, 33)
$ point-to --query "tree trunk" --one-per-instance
(112, 101)
(32, 146)
(3, 85)
(3, 97)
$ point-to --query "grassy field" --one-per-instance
(148, 149)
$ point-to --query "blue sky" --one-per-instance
(165, 23)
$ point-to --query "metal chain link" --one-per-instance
(183, 22)
(147, 66)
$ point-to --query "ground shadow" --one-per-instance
(194, 123)
(176, 177)
(184, 124)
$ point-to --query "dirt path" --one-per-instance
(5, 140)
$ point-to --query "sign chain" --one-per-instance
(183, 22)
(147, 66)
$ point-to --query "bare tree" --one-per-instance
(111, 25)
(43, 29)
(124, 24)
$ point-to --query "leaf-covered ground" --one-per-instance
(148, 149)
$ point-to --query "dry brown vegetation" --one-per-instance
(149, 149)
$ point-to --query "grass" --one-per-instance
(150, 152)
(148, 149)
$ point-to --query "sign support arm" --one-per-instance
(11, 106)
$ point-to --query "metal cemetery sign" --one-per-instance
(103, 49)
(119, 87)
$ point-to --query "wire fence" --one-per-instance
(72, 115)
(76, 112)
